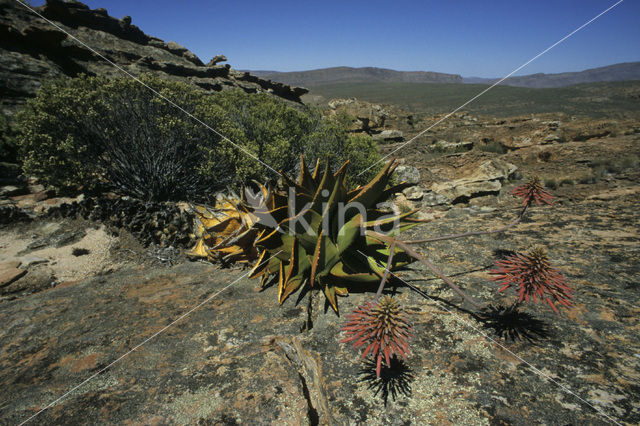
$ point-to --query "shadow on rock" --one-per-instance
(393, 380)
(509, 323)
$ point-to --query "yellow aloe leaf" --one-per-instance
(199, 250)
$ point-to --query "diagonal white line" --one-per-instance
(160, 95)
(493, 85)
(509, 351)
(186, 314)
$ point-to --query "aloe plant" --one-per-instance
(315, 232)
(327, 243)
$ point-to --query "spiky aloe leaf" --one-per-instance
(313, 245)
(225, 232)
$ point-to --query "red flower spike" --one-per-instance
(383, 327)
(534, 278)
(533, 191)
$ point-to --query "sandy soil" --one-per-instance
(84, 258)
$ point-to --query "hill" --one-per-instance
(356, 75)
(32, 49)
(594, 99)
(617, 72)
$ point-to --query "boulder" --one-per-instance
(517, 142)
(368, 117)
(216, 59)
(475, 180)
(453, 146)
(414, 193)
(390, 135)
(10, 273)
(431, 199)
(406, 173)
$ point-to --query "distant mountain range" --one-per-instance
(356, 75)
(618, 72)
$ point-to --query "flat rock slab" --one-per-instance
(242, 358)
(10, 274)
(222, 362)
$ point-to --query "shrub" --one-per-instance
(603, 166)
(93, 131)
(551, 183)
(8, 147)
(493, 146)
(97, 132)
(330, 137)
(281, 133)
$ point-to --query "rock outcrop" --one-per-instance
(476, 179)
(238, 357)
(32, 49)
(373, 119)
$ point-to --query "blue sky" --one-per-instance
(471, 38)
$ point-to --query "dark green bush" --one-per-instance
(493, 146)
(8, 147)
(281, 133)
(92, 131)
(97, 132)
(330, 137)
(551, 183)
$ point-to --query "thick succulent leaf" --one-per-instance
(242, 239)
(389, 219)
(281, 281)
(405, 225)
(291, 286)
(199, 250)
(202, 211)
(306, 222)
(330, 293)
(290, 183)
(394, 190)
(342, 171)
(306, 179)
(341, 291)
(354, 192)
(225, 227)
(293, 265)
(270, 218)
(349, 233)
(278, 199)
(400, 258)
(300, 223)
(315, 261)
(235, 255)
(277, 243)
(325, 257)
(326, 183)
(356, 264)
(265, 266)
(339, 190)
(342, 275)
(260, 267)
(370, 193)
(209, 222)
(263, 190)
(316, 173)
(298, 264)
(225, 250)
